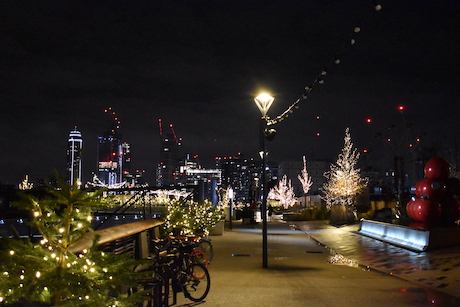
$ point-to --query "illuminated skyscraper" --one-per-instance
(110, 158)
(114, 156)
(74, 151)
(169, 157)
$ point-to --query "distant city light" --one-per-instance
(401, 108)
(369, 120)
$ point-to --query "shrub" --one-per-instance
(191, 217)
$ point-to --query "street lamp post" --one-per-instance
(231, 195)
(264, 102)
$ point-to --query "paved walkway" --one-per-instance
(300, 272)
(437, 269)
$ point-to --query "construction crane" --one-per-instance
(113, 117)
(173, 132)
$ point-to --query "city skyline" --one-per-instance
(199, 65)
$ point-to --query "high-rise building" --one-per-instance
(126, 156)
(169, 156)
(110, 158)
(114, 155)
(74, 157)
(184, 166)
(243, 176)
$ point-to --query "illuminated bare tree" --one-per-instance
(284, 193)
(343, 180)
(304, 179)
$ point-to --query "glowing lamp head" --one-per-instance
(401, 108)
(369, 120)
(264, 102)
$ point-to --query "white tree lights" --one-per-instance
(284, 192)
(343, 180)
(304, 179)
(191, 217)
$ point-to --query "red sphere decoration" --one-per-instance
(424, 210)
(437, 168)
(433, 188)
(450, 209)
(409, 207)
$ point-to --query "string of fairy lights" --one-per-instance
(335, 60)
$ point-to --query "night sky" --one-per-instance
(198, 65)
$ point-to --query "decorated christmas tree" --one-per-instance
(43, 272)
(304, 178)
(343, 180)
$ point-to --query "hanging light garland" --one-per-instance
(320, 77)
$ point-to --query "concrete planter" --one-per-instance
(218, 230)
(341, 214)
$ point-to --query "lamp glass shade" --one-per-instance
(264, 102)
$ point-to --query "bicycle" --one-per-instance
(206, 245)
(199, 251)
(191, 278)
(203, 242)
(174, 268)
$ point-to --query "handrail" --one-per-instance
(113, 233)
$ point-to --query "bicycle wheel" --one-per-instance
(197, 282)
(206, 245)
(198, 255)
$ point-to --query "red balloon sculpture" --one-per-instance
(430, 187)
(425, 210)
(437, 168)
(436, 195)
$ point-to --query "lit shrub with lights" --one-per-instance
(191, 217)
(156, 198)
(46, 273)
